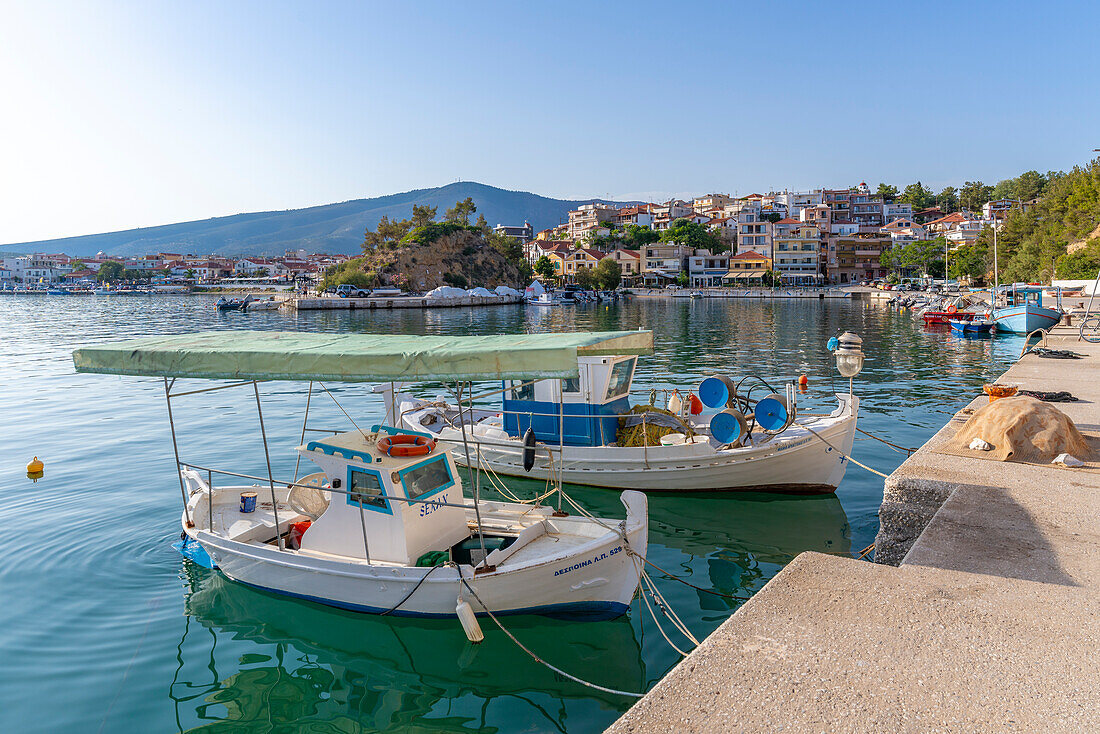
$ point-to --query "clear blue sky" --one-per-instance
(119, 115)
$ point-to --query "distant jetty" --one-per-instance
(387, 302)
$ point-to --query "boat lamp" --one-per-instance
(849, 355)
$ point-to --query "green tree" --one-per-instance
(682, 279)
(110, 272)
(190, 274)
(461, 212)
(1082, 264)
(969, 261)
(544, 266)
(973, 194)
(688, 233)
(77, 266)
(350, 272)
(948, 199)
(887, 192)
(608, 274)
(917, 195)
(422, 216)
(584, 278)
(635, 236)
(482, 224)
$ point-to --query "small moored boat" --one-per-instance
(384, 526)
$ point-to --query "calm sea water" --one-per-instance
(103, 627)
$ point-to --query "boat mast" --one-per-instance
(996, 278)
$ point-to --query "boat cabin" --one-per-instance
(584, 409)
(390, 530)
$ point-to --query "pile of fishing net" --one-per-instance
(1022, 429)
(645, 425)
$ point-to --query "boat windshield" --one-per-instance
(619, 382)
(427, 478)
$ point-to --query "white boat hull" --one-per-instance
(795, 461)
(593, 580)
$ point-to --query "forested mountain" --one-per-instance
(334, 228)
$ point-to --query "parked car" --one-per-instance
(346, 290)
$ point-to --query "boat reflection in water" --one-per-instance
(271, 659)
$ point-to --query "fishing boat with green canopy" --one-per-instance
(384, 526)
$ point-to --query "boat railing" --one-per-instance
(310, 483)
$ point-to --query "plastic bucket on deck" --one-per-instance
(728, 426)
(248, 501)
(771, 412)
(671, 439)
(716, 391)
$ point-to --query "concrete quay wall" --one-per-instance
(989, 622)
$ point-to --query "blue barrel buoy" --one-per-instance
(771, 413)
(728, 426)
(832, 344)
(716, 391)
(248, 501)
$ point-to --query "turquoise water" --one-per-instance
(103, 627)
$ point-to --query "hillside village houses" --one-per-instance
(822, 236)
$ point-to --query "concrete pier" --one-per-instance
(989, 622)
(383, 302)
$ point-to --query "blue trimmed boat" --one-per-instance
(1023, 311)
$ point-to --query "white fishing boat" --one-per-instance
(384, 525)
(545, 299)
(263, 304)
(577, 430)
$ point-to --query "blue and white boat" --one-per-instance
(972, 327)
(1022, 311)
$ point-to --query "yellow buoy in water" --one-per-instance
(35, 469)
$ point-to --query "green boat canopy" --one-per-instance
(288, 355)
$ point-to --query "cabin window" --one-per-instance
(571, 384)
(365, 489)
(619, 383)
(425, 479)
(523, 390)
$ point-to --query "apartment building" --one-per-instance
(855, 256)
(710, 202)
(523, 234)
(754, 233)
(665, 214)
(664, 261)
(903, 231)
(590, 218)
(639, 215)
(796, 251)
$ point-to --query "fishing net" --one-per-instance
(1023, 429)
(645, 425)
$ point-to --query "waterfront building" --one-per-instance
(535, 249)
(582, 257)
(590, 218)
(663, 263)
(630, 262)
(892, 210)
(251, 267)
(855, 256)
(747, 269)
(706, 269)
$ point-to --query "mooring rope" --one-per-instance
(883, 440)
(846, 456)
(521, 646)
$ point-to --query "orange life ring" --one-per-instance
(406, 445)
(951, 308)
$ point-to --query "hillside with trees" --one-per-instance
(419, 254)
(1059, 232)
